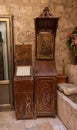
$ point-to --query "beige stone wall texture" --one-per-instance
(24, 12)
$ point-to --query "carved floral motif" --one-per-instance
(45, 96)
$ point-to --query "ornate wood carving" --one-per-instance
(45, 96)
(46, 13)
(28, 104)
(44, 99)
(24, 105)
(23, 55)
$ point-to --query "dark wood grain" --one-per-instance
(23, 55)
(23, 94)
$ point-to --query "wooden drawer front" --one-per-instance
(23, 86)
(24, 105)
(45, 96)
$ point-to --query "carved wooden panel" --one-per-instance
(23, 91)
(45, 96)
(23, 55)
(24, 105)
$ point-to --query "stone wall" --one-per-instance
(24, 12)
(66, 10)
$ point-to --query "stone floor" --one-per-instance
(9, 122)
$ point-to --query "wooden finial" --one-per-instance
(46, 13)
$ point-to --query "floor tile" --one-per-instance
(29, 123)
(55, 121)
(41, 120)
(18, 125)
(8, 121)
(3, 128)
(5, 118)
